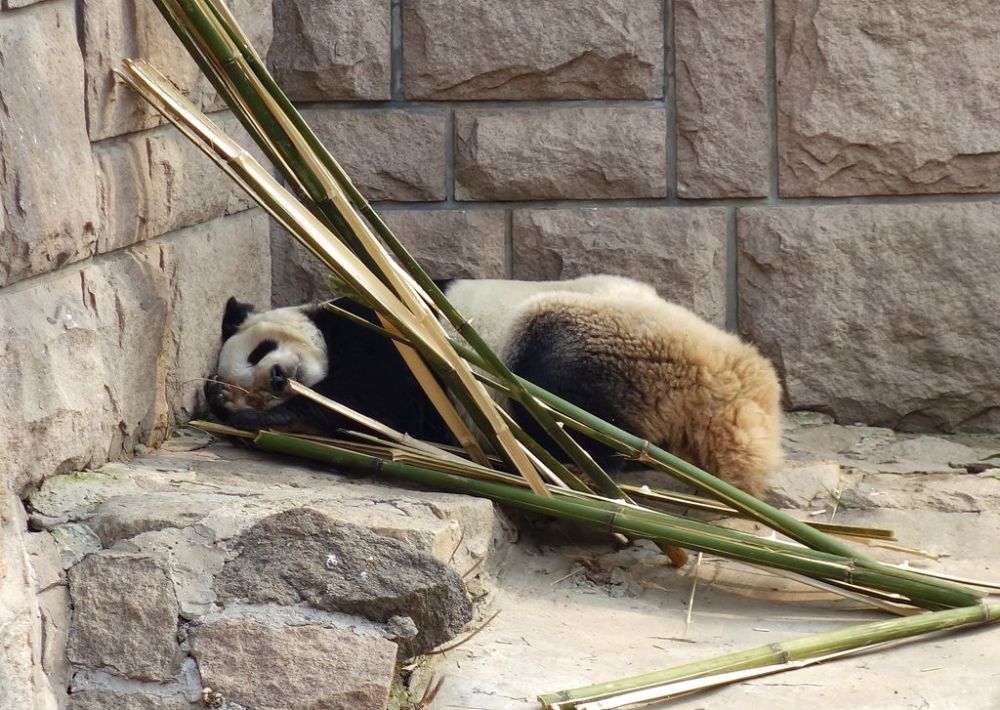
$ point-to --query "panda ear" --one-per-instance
(236, 313)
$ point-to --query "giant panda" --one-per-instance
(606, 343)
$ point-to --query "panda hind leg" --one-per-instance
(553, 355)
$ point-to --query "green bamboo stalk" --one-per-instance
(647, 524)
(822, 644)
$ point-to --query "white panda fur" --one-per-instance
(606, 343)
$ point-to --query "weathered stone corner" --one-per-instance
(303, 555)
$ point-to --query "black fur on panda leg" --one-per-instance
(553, 356)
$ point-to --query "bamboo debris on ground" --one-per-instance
(763, 660)
(638, 522)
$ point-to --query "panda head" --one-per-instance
(262, 351)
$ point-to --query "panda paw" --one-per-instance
(218, 399)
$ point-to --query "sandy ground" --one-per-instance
(575, 612)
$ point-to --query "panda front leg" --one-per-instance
(294, 414)
(289, 416)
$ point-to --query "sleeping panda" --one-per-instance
(606, 343)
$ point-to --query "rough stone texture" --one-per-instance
(523, 49)
(155, 182)
(721, 97)
(82, 350)
(189, 506)
(52, 594)
(871, 100)
(682, 252)
(326, 50)
(112, 31)
(22, 681)
(905, 333)
(448, 244)
(91, 353)
(303, 555)
(108, 699)
(47, 203)
(124, 617)
(390, 154)
(576, 153)
(309, 666)
(453, 244)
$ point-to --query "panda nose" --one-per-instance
(279, 381)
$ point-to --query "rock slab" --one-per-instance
(47, 190)
(682, 252)
(721, 96)
(392, 154)
(873, 101)
(904, 333)
(310, 666)
(325, 51)
(523, 49)
(125, 617)
(303, 555)
(561, 153)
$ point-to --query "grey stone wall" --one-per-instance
(118, 246)
(821, 177)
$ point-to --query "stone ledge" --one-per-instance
(232, 550)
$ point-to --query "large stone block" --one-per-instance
(47, 189)
(124, 617)
(306, 556)
(722, 125)
(390, 154)
(110, 699)
(95, 357)
(888, 315)
(682, 252)
(82, 351)
(312, 666)
(326, 50)
(523, 49)
(449, 244)
(574, 153)
(112, 31)
(870, 101)
(156, 182)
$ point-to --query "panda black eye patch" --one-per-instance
(261, 351)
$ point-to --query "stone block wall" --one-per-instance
(821, 177)
(118, 246)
